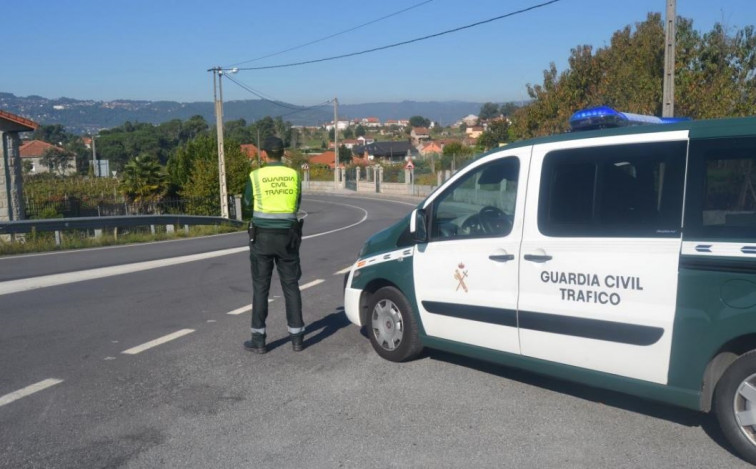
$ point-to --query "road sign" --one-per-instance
(305, 166)
(409, 165)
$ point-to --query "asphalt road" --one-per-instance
(83, 384)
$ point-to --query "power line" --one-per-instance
(332, 35)
(277, 103)
(490, 20)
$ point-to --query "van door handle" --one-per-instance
(537, 257)
(501, 257)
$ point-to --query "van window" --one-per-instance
(613, 191)
(481, 204)
(722, 189)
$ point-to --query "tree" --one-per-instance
(454, 156)
(143, 180)
(715, 77)
(55, 134)
(239, 131)
(345, 155)
(497, 133)
(181, 164)
(202, 190)
(419, 121)
(194, 127)
(488, 111)
(360, 131)
(349, 133)
(57, 160)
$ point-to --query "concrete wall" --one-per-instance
(11, 184)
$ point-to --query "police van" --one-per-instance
(623, 258)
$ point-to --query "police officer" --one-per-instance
(273, 194)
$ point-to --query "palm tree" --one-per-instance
(144, 180)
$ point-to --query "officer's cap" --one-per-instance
(273, 145)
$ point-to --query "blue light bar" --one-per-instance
(604, 117)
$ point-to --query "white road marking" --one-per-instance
(241, 310)
(26, 284)
(364, 217)
(311, 284)
(156, 342)
(343, 271)
(31, 389)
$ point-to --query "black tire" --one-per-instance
(735, 405)
(391, 326)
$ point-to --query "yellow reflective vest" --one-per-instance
(276, 193)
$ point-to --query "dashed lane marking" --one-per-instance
(343, 271)
(241, 310)
(31, 389)
(156, 342)
(311, 284)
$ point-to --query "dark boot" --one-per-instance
(257, 344)
(297, 342)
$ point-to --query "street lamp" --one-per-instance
(218, 98)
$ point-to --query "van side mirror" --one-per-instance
(418, 226)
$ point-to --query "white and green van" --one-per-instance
(623, 258)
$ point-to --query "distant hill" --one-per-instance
(86, 116)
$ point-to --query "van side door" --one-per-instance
(466, 274)
(600, 253)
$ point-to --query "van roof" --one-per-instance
(709, 128)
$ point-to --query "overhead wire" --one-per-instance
(403, 43)
(332, 35)
(277, 103)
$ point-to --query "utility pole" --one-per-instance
(95, 166)
(668, 98)
(218, 97)
(336, 142)
(259, 148)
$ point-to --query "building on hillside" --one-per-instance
(387, 152)
(349, 143)
(431, 148)
(419, 135)
(470, 119)
(371, 122)
(341, 125)
(474, 132)
(328, 157)
(11, 179)
(34, 152)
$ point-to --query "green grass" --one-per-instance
(75, 239)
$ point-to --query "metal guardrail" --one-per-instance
(84, 223)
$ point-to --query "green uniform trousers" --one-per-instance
(276, 246)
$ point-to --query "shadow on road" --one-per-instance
(319, 330)
(678, 415)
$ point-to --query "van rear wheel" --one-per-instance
(392, 328)
(735, 405)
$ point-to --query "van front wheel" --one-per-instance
(735, 405)
(392, 328)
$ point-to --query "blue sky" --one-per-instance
(161, 49)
